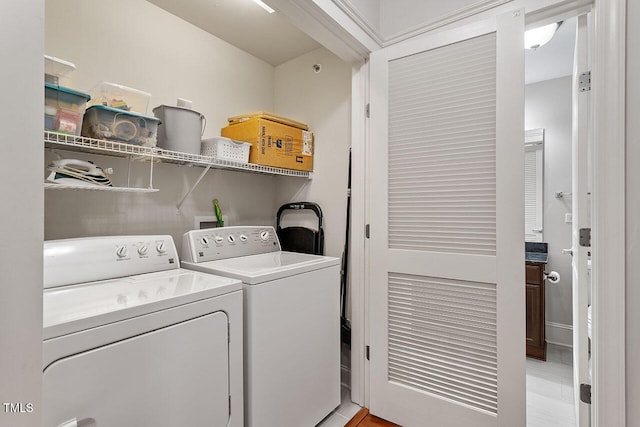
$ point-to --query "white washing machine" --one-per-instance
(291, 320)
(131, 339)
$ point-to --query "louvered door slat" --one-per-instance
(435, 147)
(442, 337)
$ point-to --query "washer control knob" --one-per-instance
(264, 235)
(218, 239)
(143, 250)
(204, 241)
(231, 238)
(243, 238)
(161, 247)
(121, 251)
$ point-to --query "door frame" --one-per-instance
(581, 286)
(608, 222)
(333, 28)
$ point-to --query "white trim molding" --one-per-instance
(608, 232)
(358, 251)
(441, 21)
(330, 26)
(559, 334)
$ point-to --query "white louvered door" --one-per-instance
(447, 302)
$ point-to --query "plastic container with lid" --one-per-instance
(102, 122)
(182, 129)
(57, 71)
(63, 109)
(121, 97)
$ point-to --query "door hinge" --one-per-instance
(585, 237)
(229, 404)
(584, 81)
(367, 111)
(367, 350)
(585, 393)
(366, 231)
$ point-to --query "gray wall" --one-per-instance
(323, 101)
(222, 81)
(21, 50)
(169, 58)
(548, 106)
(633, 215)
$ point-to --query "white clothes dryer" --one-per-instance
(292, 322)
(131, 339)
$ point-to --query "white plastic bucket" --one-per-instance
(181, 129)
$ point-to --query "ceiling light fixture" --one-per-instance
(537, 37)
(264, 6)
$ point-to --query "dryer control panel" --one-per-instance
(228, 242)
(81, 260)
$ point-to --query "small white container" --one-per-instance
(114, 95)
(226, 149)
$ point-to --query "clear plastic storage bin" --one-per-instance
(63, 109)
(102, 122)
(56, 70)
(121, 97)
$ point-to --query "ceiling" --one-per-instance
(244, 24)
(275, 40)
(555, 59)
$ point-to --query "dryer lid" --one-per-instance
(255, 269)
(78, 307)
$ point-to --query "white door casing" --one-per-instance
(447, 250)
(581, 219)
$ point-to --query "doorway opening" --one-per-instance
(554, 196)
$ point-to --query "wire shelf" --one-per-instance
(121, 149)
(54, 186)
(96, 146)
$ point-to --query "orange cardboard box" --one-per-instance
(274, 144)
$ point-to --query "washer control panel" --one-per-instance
(70, 261)
(228, 242)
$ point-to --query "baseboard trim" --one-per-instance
(559, 334)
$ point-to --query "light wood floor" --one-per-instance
(364, 419)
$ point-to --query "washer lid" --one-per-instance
(262, 268)
(74, 308)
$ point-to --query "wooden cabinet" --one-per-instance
(536, 344)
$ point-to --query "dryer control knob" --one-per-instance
(264, 235)
(121, 251)
(243, 238)
(204, 241)
(231, 238)
(161, 247)
(143, 250)
(218, 239)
